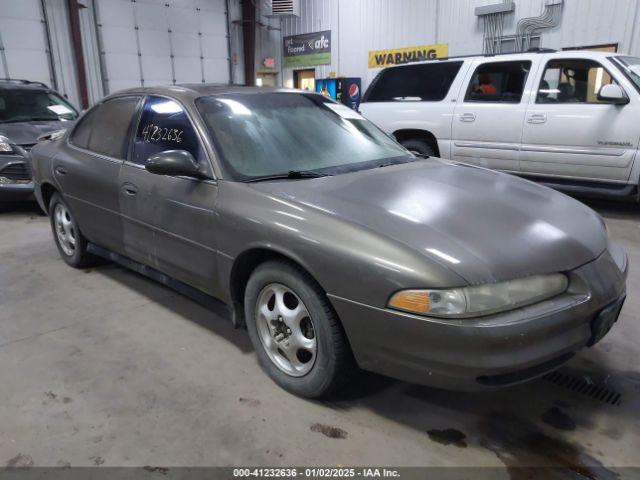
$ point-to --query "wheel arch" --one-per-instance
(414, 133)
(245, 264)
(47, 190)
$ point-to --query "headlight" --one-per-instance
(5, 145)
(479, 300)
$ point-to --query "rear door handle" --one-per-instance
(537, 118)
(61, 171)
(467, 117)
(129, 189)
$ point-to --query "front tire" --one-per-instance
(296, 334)
(70, 242)
(419, 146)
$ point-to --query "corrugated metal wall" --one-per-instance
(405, 23)
(361, 25)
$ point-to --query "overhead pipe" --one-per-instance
(549, 18)
(494, 27)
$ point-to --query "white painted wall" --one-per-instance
(361, 25)
(26, 47)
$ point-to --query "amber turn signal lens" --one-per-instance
(415, 301)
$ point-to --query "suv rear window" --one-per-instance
(429, 82)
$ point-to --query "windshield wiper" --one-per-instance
(291, 174)
(31, 119)
(397, 162)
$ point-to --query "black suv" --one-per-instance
(28, 110)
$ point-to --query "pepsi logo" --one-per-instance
(354, 91)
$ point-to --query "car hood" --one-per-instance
(484, 225)
(27, 133)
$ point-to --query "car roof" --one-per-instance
(547, 53)
(19, 84)
(191, 91)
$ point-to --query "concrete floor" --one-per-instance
(105, 367)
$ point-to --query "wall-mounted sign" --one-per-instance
(398, 56)
(269, 62)
(308, 49)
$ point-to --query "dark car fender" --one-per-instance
(347, 260)
(42, 156)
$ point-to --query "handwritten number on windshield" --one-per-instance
(154, 133)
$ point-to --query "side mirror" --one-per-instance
(174, 162)
(613, 94)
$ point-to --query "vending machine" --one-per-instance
(350, 92)
(345, 89)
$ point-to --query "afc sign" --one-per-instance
(307, 49)
(318, 44)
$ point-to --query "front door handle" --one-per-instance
(467, 117)
(61, 171)
(129, 189)
(537, 118)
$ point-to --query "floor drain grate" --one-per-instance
(585, 387)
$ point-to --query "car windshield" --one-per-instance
(25, 105)
(631, 67)
(272, 134)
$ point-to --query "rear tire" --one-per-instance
(70, 242)
(419, 146)
(296, 334)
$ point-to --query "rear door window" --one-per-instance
(164, 125)
(105, 129)
(82, 131)
(429, 82)
(498, 82)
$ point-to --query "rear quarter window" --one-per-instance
(427, 82)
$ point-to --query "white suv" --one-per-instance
(569, 119)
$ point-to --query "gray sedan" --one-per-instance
(330, 242)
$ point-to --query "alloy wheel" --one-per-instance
(286, 330)
(65, 230)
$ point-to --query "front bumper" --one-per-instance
(493, 351)
(15, 178)
(16, 192)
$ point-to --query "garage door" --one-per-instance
(151, 42)
(23, 41)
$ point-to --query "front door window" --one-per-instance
(572, 81)
(164, 125)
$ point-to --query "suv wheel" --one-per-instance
(297, 336)
(70, 242)
(419, 146)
